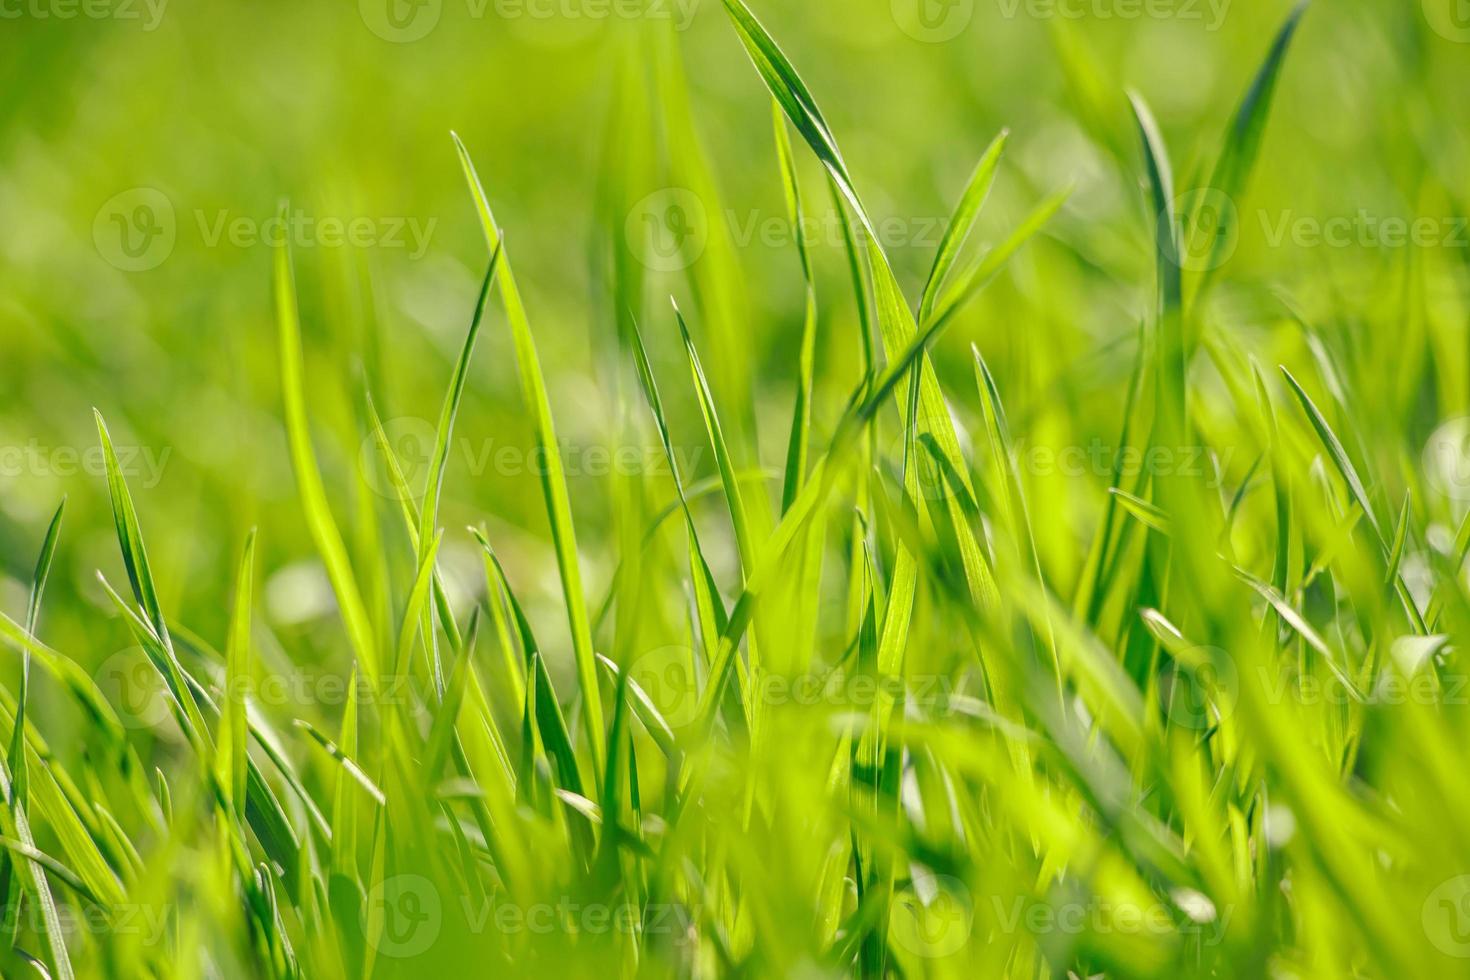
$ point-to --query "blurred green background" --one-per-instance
(144, 151)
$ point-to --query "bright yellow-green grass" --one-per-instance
(734, 488)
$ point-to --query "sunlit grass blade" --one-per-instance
(553, 480)
(135, 558)
(309, 486)
(969, 283)
(234, 728)
(796, 451)
(1169, 345)
(744, 538)
(1242, 144)
(961, 223)
(348, 765)
(1359, 492)
(20, 880)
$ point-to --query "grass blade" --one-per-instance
(553, 479)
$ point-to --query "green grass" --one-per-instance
(874, 666)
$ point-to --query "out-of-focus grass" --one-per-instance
(1047, 566)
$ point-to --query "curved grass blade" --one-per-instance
(1170, 346)
(795, 100)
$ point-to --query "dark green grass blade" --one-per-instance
(794, 98)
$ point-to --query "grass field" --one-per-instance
(702, 488)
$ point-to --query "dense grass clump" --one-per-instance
(832, 662)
